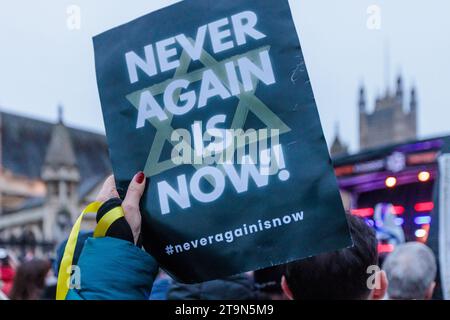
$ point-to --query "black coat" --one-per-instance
(240, 287)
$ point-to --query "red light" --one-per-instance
(398, 210)
(424, 206)
(363, 212)
(385, 248)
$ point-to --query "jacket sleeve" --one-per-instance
(112, 269)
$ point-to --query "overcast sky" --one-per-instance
(43, 62)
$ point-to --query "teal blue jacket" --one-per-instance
(113, 269)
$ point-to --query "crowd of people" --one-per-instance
(114, 267)
(28, 278)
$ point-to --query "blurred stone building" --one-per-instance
(338, 148)
(48, 173)
(389, 123)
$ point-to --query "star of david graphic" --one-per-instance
(247, 102)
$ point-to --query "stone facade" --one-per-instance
(338, 148)
(49, 173)
(389, 122)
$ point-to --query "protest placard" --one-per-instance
(212, 99)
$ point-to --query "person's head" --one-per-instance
(29, 280)
(343, 274)
(411, 271)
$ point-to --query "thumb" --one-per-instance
(131, 203)
(135, 190)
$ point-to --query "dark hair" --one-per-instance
(337, 275)
(29, 280)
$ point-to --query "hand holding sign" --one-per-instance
(130, 204)
(206, 105)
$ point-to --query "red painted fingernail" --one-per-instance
(140, 177)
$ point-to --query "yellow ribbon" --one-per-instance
(69, 251)
(107, 220)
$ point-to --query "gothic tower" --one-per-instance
(61, 176)
(338, 148)
(413, 110)
(389, 123)
(362, 112)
